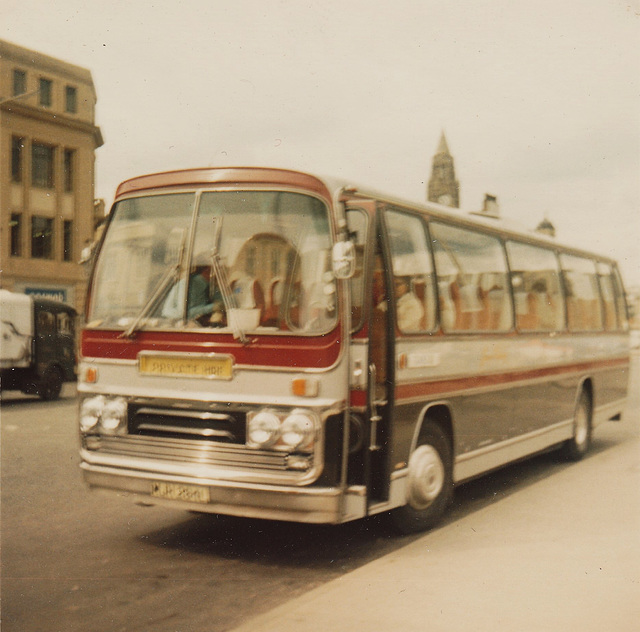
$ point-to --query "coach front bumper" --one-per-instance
(328, 505)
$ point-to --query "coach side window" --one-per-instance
(609, 290)
(537, 293)
(413, 273)
(584, 310)
(621, 301)
(472, 280)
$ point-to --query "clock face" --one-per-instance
(445, 199)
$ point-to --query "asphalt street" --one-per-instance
(540, 545)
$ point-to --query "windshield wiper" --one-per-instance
(169, 278)
(223, 282)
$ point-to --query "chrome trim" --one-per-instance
(182, 412)
(483, 460)
(200, 432)
(98, 360)
(195, 459)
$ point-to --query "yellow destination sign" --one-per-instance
(213, 367)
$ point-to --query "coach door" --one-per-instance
(373, 334)
(381, 377)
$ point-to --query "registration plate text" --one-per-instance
(217, 367)
(176, 491)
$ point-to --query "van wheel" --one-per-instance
(50, 384)
(576, 447)
(429, 482)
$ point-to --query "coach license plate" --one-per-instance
(213, 367)
(175, 491)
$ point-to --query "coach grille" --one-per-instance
(193, 452)
(215, 426)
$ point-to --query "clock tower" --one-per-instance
(443, 187)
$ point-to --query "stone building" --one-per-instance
(48, 139)
(443, 187)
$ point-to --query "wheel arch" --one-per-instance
(439, 413)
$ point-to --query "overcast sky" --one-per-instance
(540, 101)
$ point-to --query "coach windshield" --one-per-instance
(218, 260)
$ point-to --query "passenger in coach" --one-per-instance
(201, 306)
(410, 311)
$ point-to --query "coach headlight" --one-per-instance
(91, 412)
(114, 416)
(298, 430)
(263, 429)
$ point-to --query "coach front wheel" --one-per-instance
(429, 486)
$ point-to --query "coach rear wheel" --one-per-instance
(576, 447)
(429, 483)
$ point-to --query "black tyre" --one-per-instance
(429, 482)
(576, 447)
(50, 384)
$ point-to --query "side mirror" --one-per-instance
(344, 259)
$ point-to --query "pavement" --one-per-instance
(560, 554)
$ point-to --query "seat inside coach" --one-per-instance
(476, 303)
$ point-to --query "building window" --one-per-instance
(68, 170)
(67, 251)
(17, 145)
(71, 99)
(45, 92)
(16, 234)
(41, 237)
(42, 166)
(19, 82)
